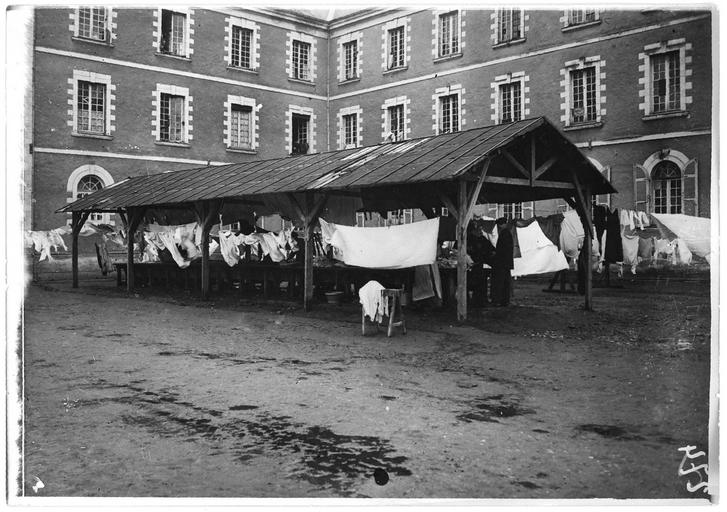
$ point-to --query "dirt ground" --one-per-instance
(164, 394)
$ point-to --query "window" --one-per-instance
(584, 97)
(240, 126)
(241, 52)
(300, 124)
(665, 82)
(512, 210)
(301, 60)
(449, 113)
(397, 45)
(92, 23)
(581, 16)
(448, 34)
(510, 102)
(171, 114)
(509, 25)
(173, 34)
(667, 184)
(88, 185)
(350, 130)
(91, 108)
(395, 116)
(350, 60)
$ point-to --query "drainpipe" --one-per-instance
(328, 89)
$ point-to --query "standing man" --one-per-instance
(502, 264)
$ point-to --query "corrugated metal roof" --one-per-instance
(428, 159)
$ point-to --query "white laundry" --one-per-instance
(682, 252)
(400, 246)
(531, 237)
(571, 234)
(167, 239)
(371, 300)
(229, 248)
(695, 231)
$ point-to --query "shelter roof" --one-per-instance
(529, 160)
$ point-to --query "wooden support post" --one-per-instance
(311, 210)
(462, 252)
(207, 212)
(134, 219)
(588, 245)
(77, 221)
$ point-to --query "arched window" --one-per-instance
(666, 180)
(88, 184)
(86, 180)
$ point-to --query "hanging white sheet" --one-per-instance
(538, 255)
(694, 231)
(401, 246)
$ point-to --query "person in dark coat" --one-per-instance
(502, 264)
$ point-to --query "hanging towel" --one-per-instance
(571, 234)
(538, 255)
(371, 300)
(401, 246)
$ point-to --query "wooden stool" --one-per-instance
(394, 296)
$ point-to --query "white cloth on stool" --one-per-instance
(369, 296)
(401, 246)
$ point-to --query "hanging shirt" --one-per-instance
(630, 244)
(228, 247)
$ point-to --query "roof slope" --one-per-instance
(439, 158)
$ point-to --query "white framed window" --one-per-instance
(242, 44)
(448, 108)
(395, 122)
(510, 25)
(445, 211)
(93, 23)
(579, 17)
(300, 130)
(510, 97)
(92, 112)
(666, 183)
(349, 127)
(173, 36)
(172, 122)
(511, 102)
(301, 60)
(85, 180)
(349, 56)
(448, 33)
(513, 211)
(395, 44)
(397, 48)
(350, 60)
(241, 123)
(667, 75)
(584, 91)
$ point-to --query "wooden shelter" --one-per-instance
(523, 161)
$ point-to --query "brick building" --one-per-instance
(122, 92)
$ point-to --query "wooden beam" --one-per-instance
(78, 219)
(545, 167)
(526, 183)
(585, 205)
(462, 253)
(515, 163)
(472, 199)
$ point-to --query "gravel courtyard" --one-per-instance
(163, 394)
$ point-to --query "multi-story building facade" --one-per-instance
(119, 92)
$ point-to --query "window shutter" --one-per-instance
(641, 189)
(690, 200)
(605, 198)
(527, 210)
